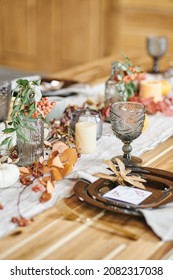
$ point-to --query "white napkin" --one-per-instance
(161, 220)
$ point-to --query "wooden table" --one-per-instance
(52, 237)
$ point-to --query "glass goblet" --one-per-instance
(156, 47)
(127, 121)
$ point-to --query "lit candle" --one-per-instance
(85, 137)
(151, 89)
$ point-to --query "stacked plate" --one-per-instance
(158, 182)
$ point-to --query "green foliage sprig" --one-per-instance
(24, 105)
(126, 74)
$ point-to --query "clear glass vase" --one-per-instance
(31, 150)
(114, 91)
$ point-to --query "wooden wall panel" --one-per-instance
(143, 18)
(47, 36)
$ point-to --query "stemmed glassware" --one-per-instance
(156, 47)
(127, 121)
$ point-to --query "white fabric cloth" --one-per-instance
(160, 220)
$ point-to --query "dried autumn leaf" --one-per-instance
(57, 162)
(111, 166)
(106, 176)
(56, 175)
(46, 179)
(50, 187)
(45, 197)
(24, 170)
(66, 170)
(134, 183)
(46, 169)
(69, 155)
(121, 175)
(41, 160)
(51, 158)
(122, 167)
(60, 147)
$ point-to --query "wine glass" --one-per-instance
(127, 121)
(156, 47)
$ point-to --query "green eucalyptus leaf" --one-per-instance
(22, 82)
(9, 130)
(10, 143)
(5, 141)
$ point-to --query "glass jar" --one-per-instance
(31, 150)
(114, 91)
(5, 96)
(87, 115)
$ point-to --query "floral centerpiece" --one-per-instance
(36, 172)
(26, 120)
(123, 83)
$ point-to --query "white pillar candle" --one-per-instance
(85, 137)
(151, 89)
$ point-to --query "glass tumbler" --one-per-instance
(87, 115)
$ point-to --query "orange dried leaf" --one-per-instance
(57, 162)
(49, 187)
(24, 170)
(66, 170)
(46, 179)
(56, 175)
(45, 197)
(51, 158)
(69, 155)
(46, 169)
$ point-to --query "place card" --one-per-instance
(128, 194)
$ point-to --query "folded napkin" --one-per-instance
(161, 220)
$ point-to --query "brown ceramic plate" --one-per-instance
(159, 182)
(161, 189)
(80, 189)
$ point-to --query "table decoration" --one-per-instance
(151, 89)
(87, 115)
(9, 174)
(85, 137)
(123, 82)
(5, 97)
(152, 107)
(159, 129)
(121, 175)
(26, 120)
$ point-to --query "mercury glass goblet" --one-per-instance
(127, 121)
(156, 47)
